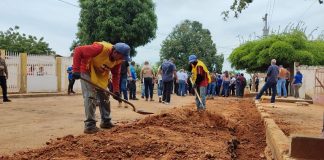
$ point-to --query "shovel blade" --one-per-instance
(143, 112)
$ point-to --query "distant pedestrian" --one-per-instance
(71, 80)
(3, 79)
(182, 81)
(200, 79)
(124, 74)
(243, 85)
(169, 73)
(219, 85)
(257, 82)
(271, 82)
(160, 84)
(288, 82)
(226, 83)
(232, 86)
(297, 83)
(281, 84)
(212, 86)
(250, 84)
(147, 75)
(132, 82)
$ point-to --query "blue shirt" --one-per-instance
(298, 78)
(272, 73)
(69, 70)
(219, 81)
(133, 72)
(167, 71)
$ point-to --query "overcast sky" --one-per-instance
(57, 21)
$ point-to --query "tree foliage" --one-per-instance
(131, 21)
(286, 48)
(190, 38)
(14, 41)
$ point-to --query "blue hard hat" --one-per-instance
(123, 49)
(192, 58)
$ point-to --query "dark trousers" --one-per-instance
(176, 87)
(71, 83)
(232, 89)
(267, 85)
(257, 87)
(167, 89)
(148, 83)
(3, 83)
(132, 89)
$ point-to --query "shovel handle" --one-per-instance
(196, 92)
(108, 92)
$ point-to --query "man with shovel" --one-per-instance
(199, 78)
(94, 63)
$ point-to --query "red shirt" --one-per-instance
(204, 82)
(82, 56)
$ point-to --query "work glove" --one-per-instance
(76, 75)
(194, 85)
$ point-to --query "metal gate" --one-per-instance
(13, 66)
(319, 81)
(41, 73)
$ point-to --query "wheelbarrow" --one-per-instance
(117, 97)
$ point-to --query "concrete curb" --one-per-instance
(29, 95)
(277, 141)
(287, 100)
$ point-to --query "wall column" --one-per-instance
(59, 73)
(23, 73)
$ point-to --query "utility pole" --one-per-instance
(266, 27)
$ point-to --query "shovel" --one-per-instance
(114, 95)
(196, 92)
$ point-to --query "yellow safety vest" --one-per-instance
(98, 76)
(194, 71)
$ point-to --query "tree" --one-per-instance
(131, 21)
(286, 48)
(190, 38)
(14, 41)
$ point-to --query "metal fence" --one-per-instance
(41, 73)
(13, 65)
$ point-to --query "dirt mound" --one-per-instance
(230, 129)
(180, 134)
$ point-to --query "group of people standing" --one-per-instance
(276, 81)
(226, 85)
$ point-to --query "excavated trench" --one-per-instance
(230, 129)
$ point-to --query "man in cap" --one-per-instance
(200, 78)
(95, 62)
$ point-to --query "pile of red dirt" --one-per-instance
(177, 134)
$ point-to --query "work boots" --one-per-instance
(106, 125)
(91, 130)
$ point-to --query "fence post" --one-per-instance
(2, 55)
(59, 73)
(23, 70)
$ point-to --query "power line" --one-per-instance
(273, 6)
(306, 10)
(71, 4)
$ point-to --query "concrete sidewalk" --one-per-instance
(287, 100)
(42, 94)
